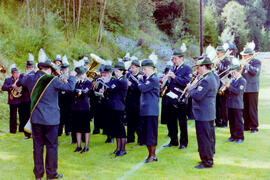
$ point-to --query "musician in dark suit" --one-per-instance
(164, 100)
(104, 106)
(235, 106)
(65, 98)
(45, 116)
(178, 79)
(81, 109)
(149, 107)
(251, 73)
(14, 102)
(203, 95)
(222, 110)
(117, 92)
(24, 110)
(133, 103)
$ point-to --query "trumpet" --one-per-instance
(184, 96)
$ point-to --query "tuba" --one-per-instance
(3, 68)
(16, 93)
(92, 71)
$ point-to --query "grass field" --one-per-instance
(249, 160)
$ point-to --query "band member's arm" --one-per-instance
(117, 85)
(20, 81)
(237, 89)
(149, 85)
(254, 69)
(62, 86)
(7, 86)
(200, 91)
(185, 79)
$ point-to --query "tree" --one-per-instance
(210, 26)
(234, 17)
(256, 17)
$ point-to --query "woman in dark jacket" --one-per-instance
(81, 109)
(117, 92)
(149, 107)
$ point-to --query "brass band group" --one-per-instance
(218, 90)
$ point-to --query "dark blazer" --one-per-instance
(149, 101)
(252, 76)
(47, 110)
(223, 66)
(204, 98)
(7, 86)
(81, 103)
(117, 93)
(25, 93)
(235, 93)
(133, 94)
(183, 75)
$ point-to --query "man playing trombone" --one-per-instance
(203, 92)
(251, 72)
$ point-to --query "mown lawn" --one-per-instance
(250, 160)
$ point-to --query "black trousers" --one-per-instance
(45, 135)
(133, 122)
(177, 113)
(251, 111)
(206, 140)
(236, 123)
(65, 119)
(13, 109)
(24, 113)
(221, 110)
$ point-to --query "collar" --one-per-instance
(151, 75)
(180, 65)
(207, 73)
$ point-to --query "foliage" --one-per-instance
(235, 22)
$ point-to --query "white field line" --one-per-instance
(140, 164)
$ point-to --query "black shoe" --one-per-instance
(170, 145)
(115, 152)
(238, 141)
(246, 129)
(182, 147)
(230, 139)
(130, 142)
(254, 131)
(120, 153)
(27, 137)
(109, 140)
(58, 176)
(151, 159)
(78, 149)
(201, 166)
(96, 131)
(67, 133)
(224, 126)
(85, 150)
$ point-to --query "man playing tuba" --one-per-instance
(14, 102)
